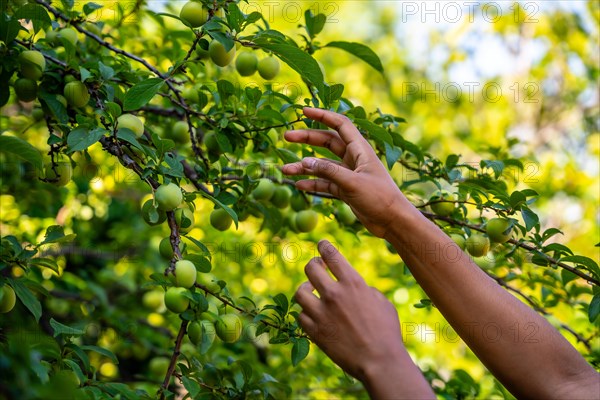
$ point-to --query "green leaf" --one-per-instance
(61, 329)
(361, 51)
(282, 301)
(43, 262)
(127, 135)
(80, 138)
(375, 132)
(89, 8)
(56, 107)
(587, 262)
(299, 61)
(314, 23)
(141, 93)
(27, 298)
(22, 149)
(190, 385)
(9, 31)
(202, 263)
(287, 156)
(56, 234)
(102, 351)
(36, 13)
(531, 219)
(594, 308)
(392, 154)
(300, 350)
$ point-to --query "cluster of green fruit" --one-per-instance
(168, 197)
(301, 219)
(247, 63)
(497, 230)
(7, 299)
(32, 66)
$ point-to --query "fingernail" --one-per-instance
(309, 162)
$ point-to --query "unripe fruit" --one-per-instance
(153, 300)
(63, 174)
(26, 89)
(478, 245)
(254, 171)
(185, 219)
(210, 282)
(299, 203)
(158, 366)
(202, 49)
(219, 55)
(190, 94)
(166, 250)
(459, 240)
(8, 299)
(194, 331)
(306, 220)
(180, 132)
(147, 209)
(290, 220)
(185, 273)
(220, 219)
(264, 191)
(268, 68)
(229, 328)
(194, 14)
(76, 94)
(52, 37)
(69, 78)
(168, 197)
(281, 197)
(246, 63)
(345, 215)
(485, 262)
(175, 299)
(132, 123)
(37, 114)
(499, 230)
(212, 145)
(273, 135)
(69, 34)
(33, 64)
(442, 209)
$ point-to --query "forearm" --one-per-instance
(522, 350)
(401, 379)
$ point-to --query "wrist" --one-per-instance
(396, 376)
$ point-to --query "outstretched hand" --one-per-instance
(357, 327)
(360, 179)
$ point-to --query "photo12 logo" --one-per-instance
(455, 11)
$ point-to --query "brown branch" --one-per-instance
(176, 352)
(530, 248)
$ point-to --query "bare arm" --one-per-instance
(520, 347)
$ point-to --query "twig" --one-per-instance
(176, 352)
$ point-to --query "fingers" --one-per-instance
(307, 299)
(329, 140)
(319, 185)
(322, 168)
(337, 263)
(340, 123)
(308, 324)
(316, 271)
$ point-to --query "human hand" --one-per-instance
(360, 179)
(354, 324)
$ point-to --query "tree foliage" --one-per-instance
(89, 252)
